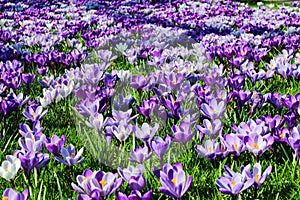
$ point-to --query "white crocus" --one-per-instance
(10, 167)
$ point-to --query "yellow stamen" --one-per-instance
(33, 114)
(5, 198)
(32, 139)
(85, 178)
(232, 183)
(235, 146)
(174, 181)
(257, 178)
(210, 129)
(55, 144)
(255, 145)
(210, 149)
(103, 183)
(281, 135)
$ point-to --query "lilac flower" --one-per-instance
(145, 133)
(55, 144)
(34, 115)
(258, 144)
(134, 195)
(140, 155)
(10, 167)
(134, 177)
(33, 143)
(173, 180)
(12, 194)
(257, 174)
(70, 158)
(233, 183)
(160, 146)
(212, 129)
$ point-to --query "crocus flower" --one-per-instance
(55, 144)
(294, 140)
(173, 180)
(33, 115)
(140, 154)
(31, 160)
(234, 144)
(122, 131)
(105, 183)
(28, 78)
(211, 128)
(134, 195)
(213, 109)
(36, 130)
(33, 143)
(257, 174)
(70, 157)
(134, 177)
(233, 183)
(83, 182)
(10, 167)
(258, 144)
(160, 146)
(182, 133)
(12, 194)
(146, 132)
(210, 149)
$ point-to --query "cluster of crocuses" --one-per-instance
(229, 33)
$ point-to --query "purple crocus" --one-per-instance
(83, 182)
(140, 154)
(182, 133)
(233, 183)
(70, 157)
(294, 140)
(33, 115)
(146, 132)
(211, 128)
(31, 160)
(28, 79)
(134, 177)
(12, 194)
(32, 143)
(258, 144)
(234, 144)
(55, 144)
(213, 109)
(173, 180)
(105, 183)
(139, 82)
(161, 146)
(257, 174)
(210, 149)
(134, 195)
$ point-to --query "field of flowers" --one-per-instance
(149, 100)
